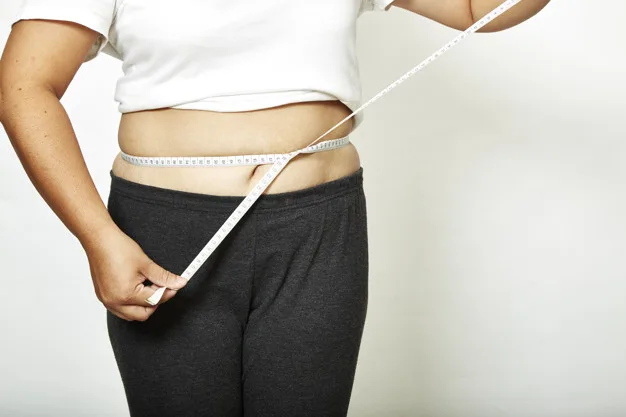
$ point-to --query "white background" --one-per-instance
(496, 186)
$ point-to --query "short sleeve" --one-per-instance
(94, 14)
(375, 5)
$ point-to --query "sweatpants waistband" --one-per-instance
(186, 199)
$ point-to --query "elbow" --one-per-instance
(19, 95)
(495, 26)
(486, 29)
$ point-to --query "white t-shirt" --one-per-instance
(222, 55)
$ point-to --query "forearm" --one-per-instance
(517, 14)
(44, 140)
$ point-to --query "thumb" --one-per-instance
(163, 277)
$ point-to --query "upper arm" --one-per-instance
(44, 53)
(456, 14)
(49, 41)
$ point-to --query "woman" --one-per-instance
(271, 324)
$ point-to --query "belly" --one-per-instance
(176, 132)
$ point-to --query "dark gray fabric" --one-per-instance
(270, 325)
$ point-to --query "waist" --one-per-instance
(179, 132)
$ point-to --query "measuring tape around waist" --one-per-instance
(218, 161)
(281, 160)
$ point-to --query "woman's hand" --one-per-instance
(118, 269)
(37, 65)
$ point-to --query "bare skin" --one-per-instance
(40, 59)
(174, 132)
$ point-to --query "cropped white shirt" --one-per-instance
(222, 55)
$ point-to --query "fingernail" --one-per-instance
(181, 280)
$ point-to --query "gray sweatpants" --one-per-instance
(270, 325)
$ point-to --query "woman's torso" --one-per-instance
(238, 55)
(181, 132)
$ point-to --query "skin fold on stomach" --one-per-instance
(178, 132)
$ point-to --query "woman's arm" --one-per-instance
(40, 59)
(461, 14)
(38, 63)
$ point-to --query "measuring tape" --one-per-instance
(281, 160)
(218, 161)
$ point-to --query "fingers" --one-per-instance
(137, 308)
(134, 306)
(133, 313)
(144, 292)
(119, 314)
(162, 277)
(156, 297)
